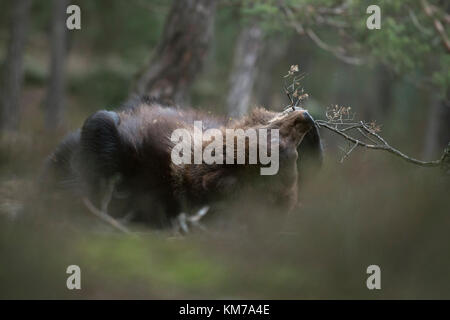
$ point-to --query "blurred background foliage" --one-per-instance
(372, 209)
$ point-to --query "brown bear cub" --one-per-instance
(126, 156)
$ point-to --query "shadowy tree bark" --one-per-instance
(385, 89)
(243, 73)
(55, 101)
(272, 53)
(181, 52)
(13, 68)
(437, 134)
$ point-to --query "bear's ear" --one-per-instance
(311, 146)
(310, 153)
(100, 143)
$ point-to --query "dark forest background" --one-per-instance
(226, 57)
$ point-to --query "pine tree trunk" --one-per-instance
(181, 52)
(13, 69)
(437, 134)
(55, 101)
(243, 73)
(384, 87)
(273, 51)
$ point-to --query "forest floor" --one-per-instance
(352, 215)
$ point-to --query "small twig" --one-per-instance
(417, 24)
(183, 221)
(106, 199)
(349, 151)
(104, 216)
(365, 135)
(355, 126)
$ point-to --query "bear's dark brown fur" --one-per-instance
(132, 147)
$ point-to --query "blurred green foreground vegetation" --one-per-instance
(375, 212)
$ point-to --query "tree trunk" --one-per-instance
(55, 101)
(243, 73)
(385, 82)
(13, 68)
(437, 134)
(266, 88)
(181, 52)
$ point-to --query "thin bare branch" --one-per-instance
(321, 18)
(104, 216)
(417, 24)
(338, 52)
(382, 145)
(349, 151)
(106, 199)
(438, 26)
